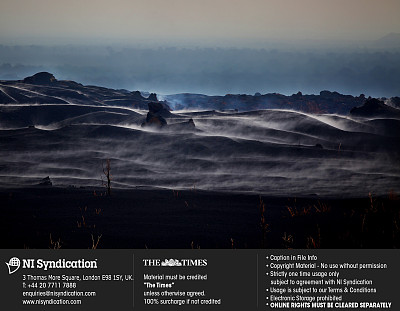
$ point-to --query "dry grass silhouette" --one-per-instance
(288, 240)
(55, 244)
(263, 223)
(107, 174)
(96, 244)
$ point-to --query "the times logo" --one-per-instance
(175, 263)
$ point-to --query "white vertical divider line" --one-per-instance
(133, 276)
(257, 280)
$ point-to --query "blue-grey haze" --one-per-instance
(214, 71)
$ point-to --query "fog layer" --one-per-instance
(275, 152)
(214, 71)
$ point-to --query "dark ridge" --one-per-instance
(153, 119)
(37, 90)
(156, 114)
(153, 97)
(395, 101)
(375, 108)
(137, 95)
(43, 87)
(46, 182)
(325, 102)
(41, 78)
(187, 126)
(160, 109)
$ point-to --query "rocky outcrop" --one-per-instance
(158, 111)
(46, 182)
(395, 102)
(41, 90)
(154, 120)
(187, 126)
(159, 108)
(156, 114)
(325, 102)
(375, 108)
(137, 95)
(41, 78)
(153, 97)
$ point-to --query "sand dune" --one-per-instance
(269, 152)
(67, 131)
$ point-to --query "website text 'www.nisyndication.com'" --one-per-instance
(55, 294)
(45, 302)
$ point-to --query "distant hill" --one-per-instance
(41, 78)
(325, 102)
(375, 108)
(56, 133)
(44, 88)
(391, 40)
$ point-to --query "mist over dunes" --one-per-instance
(66, 130)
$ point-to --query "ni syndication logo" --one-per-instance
(13, 265)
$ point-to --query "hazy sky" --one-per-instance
(193, 20)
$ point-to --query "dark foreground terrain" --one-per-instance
(176, 175)
(50, 217)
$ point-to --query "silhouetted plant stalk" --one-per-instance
(55, 244)
(192, 245)
(107, 174)
(95, 244)
(264, 226)
(288, 240)
(314, 242)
